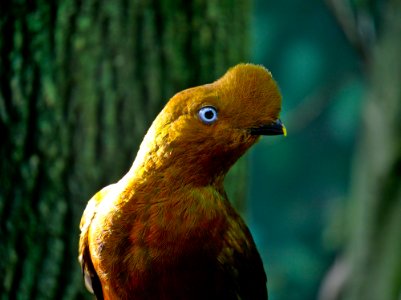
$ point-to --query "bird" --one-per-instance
(166, 230)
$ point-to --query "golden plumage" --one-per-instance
(166, 230)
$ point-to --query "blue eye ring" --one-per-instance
(208, 114)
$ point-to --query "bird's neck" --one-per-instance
(177, 172)
(180, 165)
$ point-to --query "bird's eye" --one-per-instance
(208, 114)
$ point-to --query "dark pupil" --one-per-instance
(209, 114)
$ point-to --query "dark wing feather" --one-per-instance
(242, 262)
(252, 277)
(92, 281)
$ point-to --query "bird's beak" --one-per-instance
(275, 128)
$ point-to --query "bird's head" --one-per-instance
(205, 129)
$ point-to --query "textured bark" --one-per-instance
(80, 82)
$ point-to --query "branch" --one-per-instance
(357, 26)
(333, 284)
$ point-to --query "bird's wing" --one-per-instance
(92, 281)
(252, 278)
(244, 263)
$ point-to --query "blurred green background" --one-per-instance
(318, 199)
(81, 81)
(299, 183)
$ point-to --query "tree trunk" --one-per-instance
(80, 82)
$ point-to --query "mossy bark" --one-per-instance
(80, 82)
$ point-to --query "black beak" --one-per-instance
(275, 128)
